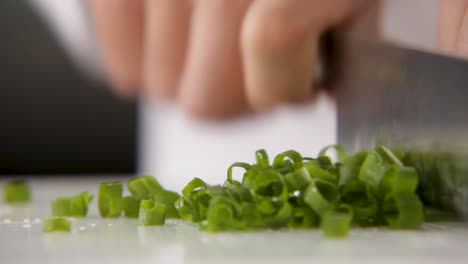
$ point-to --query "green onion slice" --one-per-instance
(350, 166)
(403, 211)
(76, 206)
(250, 217)
(110, 201)
(242, 165)
(144, 187)
(364, 203)
(168, 199)
(239, 194)
(319, 173)
(288, 157)
(399, 180)
(262, 158)
(131, 206)
(298, 179)
(337, 222)
(151, 213)
(338, 149)
(221, 215)
(17, 192)
(321, 196)
(195, 184)
(270, 184)
(388, 156)
(303, 217)
(79, 204)
(281, 218)
(56, 224)
(186, 208)
(372, 170)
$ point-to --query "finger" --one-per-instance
(119, 25)
(166, 34)
(462, 45)
(451, 14)
(279, 44)
(212, 84)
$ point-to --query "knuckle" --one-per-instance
(207, 107)
(193, 103)
(273, 31)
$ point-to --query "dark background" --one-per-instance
(52, 120)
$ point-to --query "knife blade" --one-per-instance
(409, 100)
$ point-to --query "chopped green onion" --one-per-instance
(399, 180)
(363, 202)
(339, 151)
(269, 183)
(350, 166)
(250, 217)
(243, 165)
(321, 196)
(281, 217)
(298, 179)
(336, 223)
(194, 184)
(131, 206)
(79, 204)
(16, 192)
(144, 187)
(368, 188)
(262, 158)
(239, 194)
(110, 201)
(151, 214)
(372, 170)
(266, 206)
(168, 199)
(76, 206)
(319, 173)
(388, 156)
(56, 224)
(324, 162)
(303, 217)
(403, 211)
(186, 209)
(220, 215)
(283, 159)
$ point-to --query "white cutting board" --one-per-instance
(94, 240)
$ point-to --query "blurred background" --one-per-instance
(58, 116)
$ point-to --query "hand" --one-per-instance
(215, 58)
(453, 27)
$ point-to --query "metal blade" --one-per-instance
(412, 100)
(401, 94)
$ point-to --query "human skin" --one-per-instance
(220, 58)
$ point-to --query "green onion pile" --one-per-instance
(369, 188)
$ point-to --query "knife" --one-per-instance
(412, 101)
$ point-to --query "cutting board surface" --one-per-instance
(96, 240)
